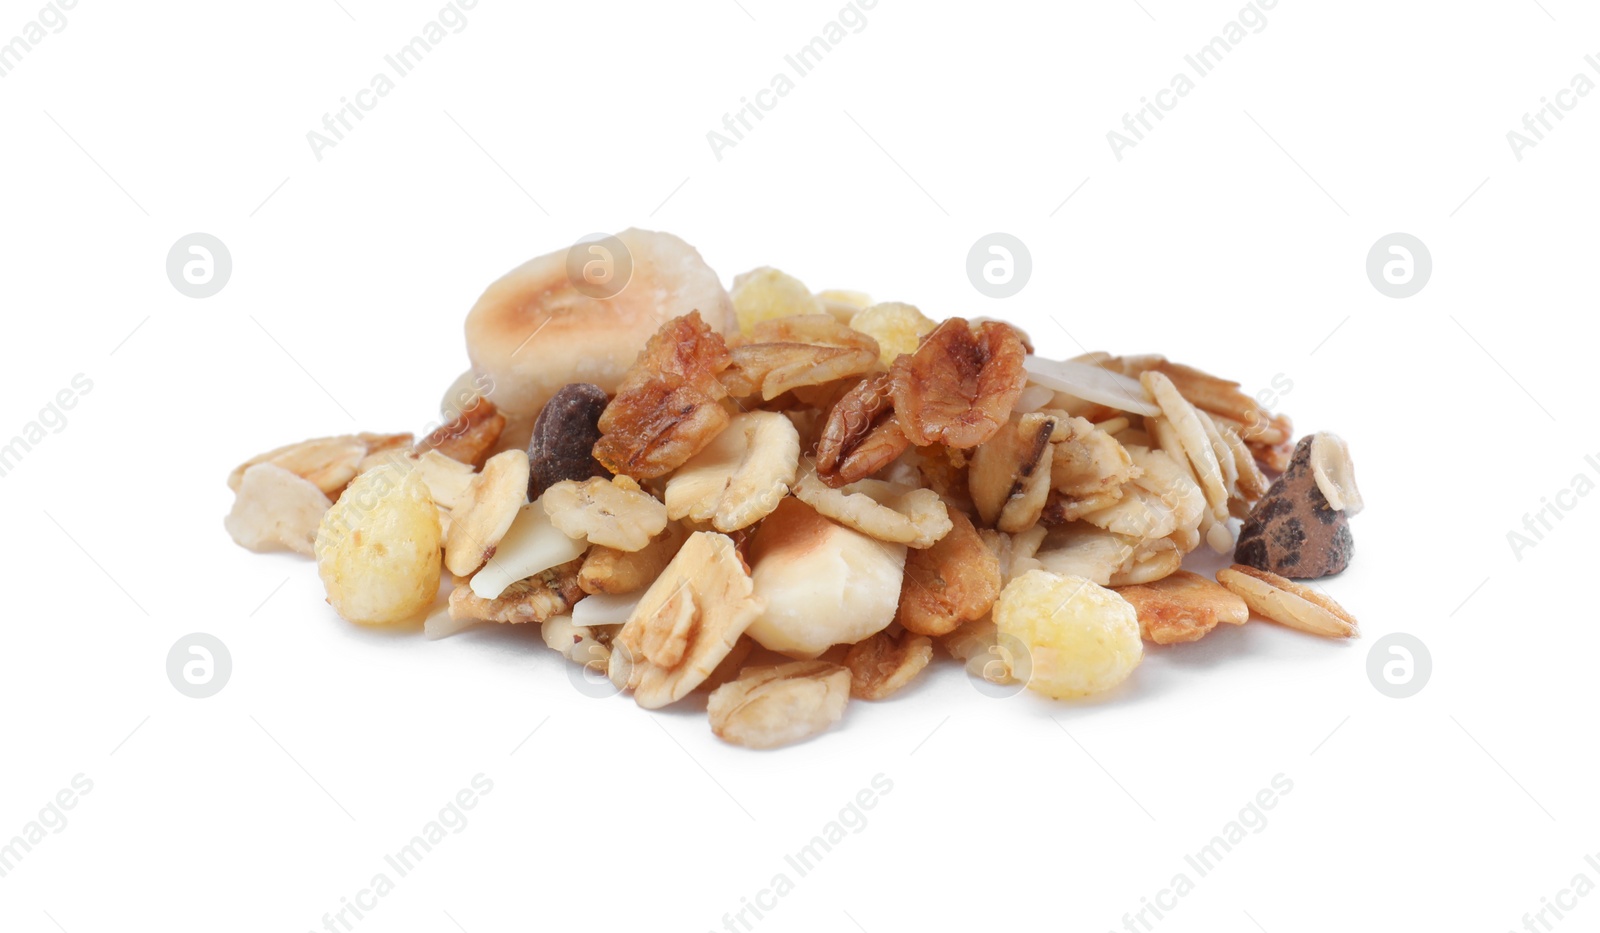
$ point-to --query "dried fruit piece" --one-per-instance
(1084, 379)
(470, 436)
(886, 511)
(531, 545)
(329, 462)
(669, 406)
(1081, 638)
(1183, 607)
(954, 581)
(1009, 475)
(276, 510)
(861, 434)
(686, 623)
(1295, 531)
(581, 314)
(898, 328)
(534, 599)
(765, 294)
(771, 706)
(377, 549)
(881, 665)
(958, 388)
(613, 513)
(823, 584)
(740, 478)
(477, 527)
(1288, 603)
(564, 435)
(610, 571)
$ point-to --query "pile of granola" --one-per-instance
(785, 499)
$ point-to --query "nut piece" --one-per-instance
(531, 545)
(564, 435)
(772, 706)
(496, 495)
(535, 599)
(824, 584)
(613, 513)
(954, 581)
(1288, 603)
(881, 665)
(276, 510)
(861, 435)
(378, 548)
(1334, 472)
(1081, 638)
(329, 462)
(471, 435)
(898, 328)
(1009, 476)
(740, 478)
(886, 511)
(608, 571)
(960, 385)
(686, 623)
(1183, 607)
(669, 406)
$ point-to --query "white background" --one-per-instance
(1234, 238)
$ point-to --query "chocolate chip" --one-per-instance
(564, 435)
(1292, 531)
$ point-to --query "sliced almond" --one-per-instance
(531, 545)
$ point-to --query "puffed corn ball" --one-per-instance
(378, 547)
(766, 294)
(898, 328)
(1081, 638)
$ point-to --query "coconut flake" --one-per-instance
(1092, 384)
